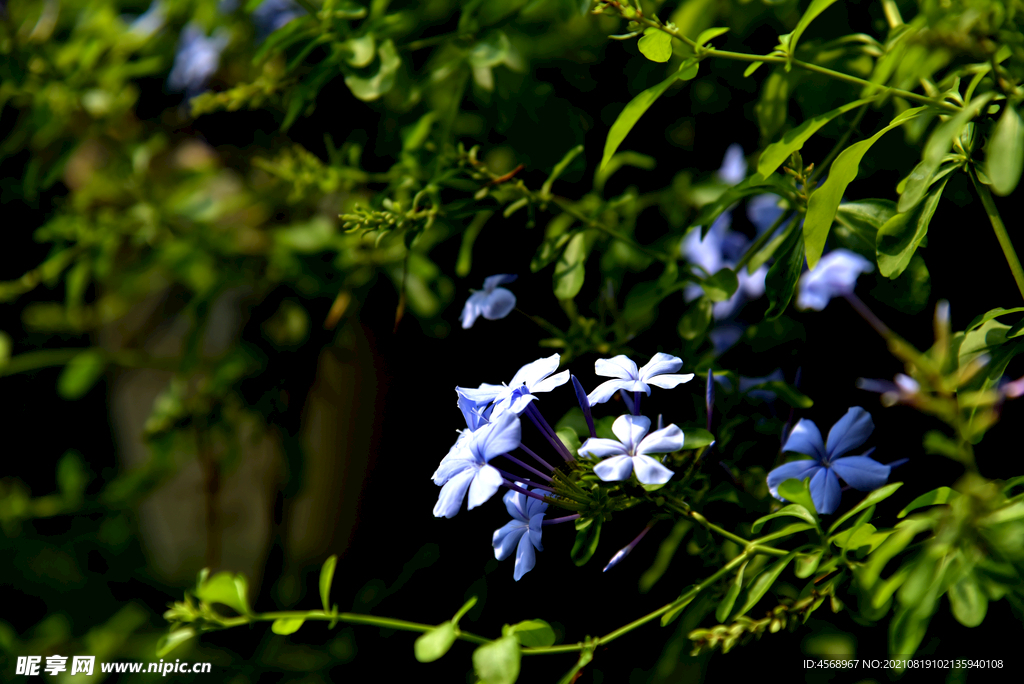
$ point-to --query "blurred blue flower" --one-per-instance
(904, 390)
(273, 14)
(150, 21)
(734, 165)
(492, 302)
(467, 468)
(834, 276)
(632, 450)
(522, 533)
(196, 60)
(763, 211)
(517, 395)
(826, 467)
(658, 372)
(722, 248)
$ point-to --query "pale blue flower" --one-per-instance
(658, 372)
(722, 248)
(517, 395)
(734, 165)
(468, 469)
(150, 21)
(492, 302)
(476, 417)
(825, 466)
(632, 450)
(522, 533)
(834, 276)
(196, 60)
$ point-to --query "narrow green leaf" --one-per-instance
(684, 600)
(498, 661)
(466, 607)
(655, 45)
(326, 579)
(807, 563)
(729, 600)
(751, 186)
(813, 10)
(286, 625)
(887, 587)
(880, 494)
(1005, 152)
(900, 236)
(695, 438)
(968, 602)
(81, 374)
(720, 286)
(778, 152)
(824, 202)
(432, 645)
(169, 642)
(936, 496)
(754, 66)
(586, 542)
(906, 631)
(710, 34)
(784, 274)
(791, 511)
(788, 531)
(696, 320)
(638, 105)
(571, 268)
(786, 392)
(863, 219)
(533, 633)
(763, 582)
(989, 315)
(560, 167)
(799, 493)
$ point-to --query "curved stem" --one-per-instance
(1000, 230)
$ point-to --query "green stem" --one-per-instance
(1000, 230)
(591, 223)
(837, 148)
(761, 240)
(745, 543)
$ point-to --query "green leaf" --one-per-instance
(571, 268)
(638, 105)
(936, 496)
(790, 511)
(799, 493)
(813, 10)
(880, 494)
(807, 563)
(754, 66)
(656, 45)
(684, 600)
(778, 152)
(786, 392)
(81, 374)
(362, 50)
(784, 274)
(763, 582)
(710, 34)
(586, 542)
(824, 202)
(696, 320)
(773, 105)
(326, 579)
(1005, 152)
(169, 642)
(750, 186)
(788, 531)
(695, 438)
(498, 661)
(856, 537)
(720, 286)
(863, 219)
(560, 167)
(968, 602)
(372, 87)
(906, 631)
(989, 315)
(570, 438)
(533, 633)
(901, 235)
(433, 644)
(286, 625)
(227, 589)
(729, 600)
(936, 148)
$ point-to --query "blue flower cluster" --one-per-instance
(493, 428)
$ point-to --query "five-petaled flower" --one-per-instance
(467, 466)
(826, 467)
(517, 395)
(632, 450)
(658, 372)
(522, 533)
(492, 302)
(834, 276)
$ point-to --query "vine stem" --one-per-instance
(745, 543)
(1000, 230)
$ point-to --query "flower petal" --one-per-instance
(861, 472)
(498, 304)
(472, 309)
(481, 395)
(494, 281)
(485, 484)
(734, 165)
(526, 558)
(850, 432)
(548, 384)
(503, 435)
(660, 364)
(617, 367)
(631, 430)
(601, 448)
(805, 439)
(663, 441)
(606, 390)
(797, 470)
(614, 469)
(825, 491)
(649, 471)
(451, 465)
(449, 500)
(669, 381)
(536, 530)
(506, 538)
(515, 505)
(532, 373)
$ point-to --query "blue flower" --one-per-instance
(467, 468)
(632, 450)
(658, 372)
(492, 302)
(517, 395)
(734, 165)
(273, 14)
(834, 276)
(197, 59)
(826, 467)
(722, 248)
(763, 211)
(149, 22)
(522, 533)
